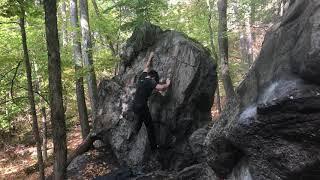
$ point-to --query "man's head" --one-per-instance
(154, 74)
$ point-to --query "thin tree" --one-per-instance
(33, 112)
(82, 108)
(223, 49)
(95, 6)
(55, 90)
(283, 7)
(63, 9)
(43, 100)
(244, 22)
(44, 133)
(87, 56)
(213, 50)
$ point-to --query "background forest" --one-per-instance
(110, 23)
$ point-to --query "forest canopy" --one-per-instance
(111, 23)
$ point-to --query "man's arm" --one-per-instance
(163, 87)
(148, 64)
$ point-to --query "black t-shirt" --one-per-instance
(145, 87)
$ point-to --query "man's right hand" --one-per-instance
(151, 55)
(168, 82)
(163, 87)
(148, 63)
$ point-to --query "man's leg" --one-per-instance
(139, 117)
(150, 129)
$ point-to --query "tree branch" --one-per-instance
(38, 93)
(17, 98)
(6, 73)
(9, 22)
(82, 148)
(13, 79)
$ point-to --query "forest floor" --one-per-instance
(19, 161)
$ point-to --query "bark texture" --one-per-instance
(55, 90)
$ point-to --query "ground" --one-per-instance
(18, 162)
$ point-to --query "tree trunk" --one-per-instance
(64, 23)
(87, 56)
(253, 6)
(248, 41)
(37, 88)
(7, 104)
(284, 5)
(215, 55)
(95, 6)
(82, 108)
(55, 90)
(223, 49)
(33, 112)
(245, 33)
(44, 133)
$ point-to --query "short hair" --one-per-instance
(154, 74)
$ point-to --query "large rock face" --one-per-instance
(184, 108)
(272, 130)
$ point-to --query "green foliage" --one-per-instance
(13, 83)
(111, 24)
(135, 12)
(190, 17)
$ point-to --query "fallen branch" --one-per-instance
(82, 148)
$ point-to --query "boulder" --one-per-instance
(240, 171)
(196, 143)
(197, 172)
(176, 114)
(200, 171)
(272, 130)
(157, 175)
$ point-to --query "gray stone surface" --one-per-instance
(196, 143)
(197, 172)
(176, 114)
(200, 171)
(274, 124)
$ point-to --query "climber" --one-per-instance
(148, 81)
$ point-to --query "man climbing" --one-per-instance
(148, 81)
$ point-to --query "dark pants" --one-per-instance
(143, 115)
